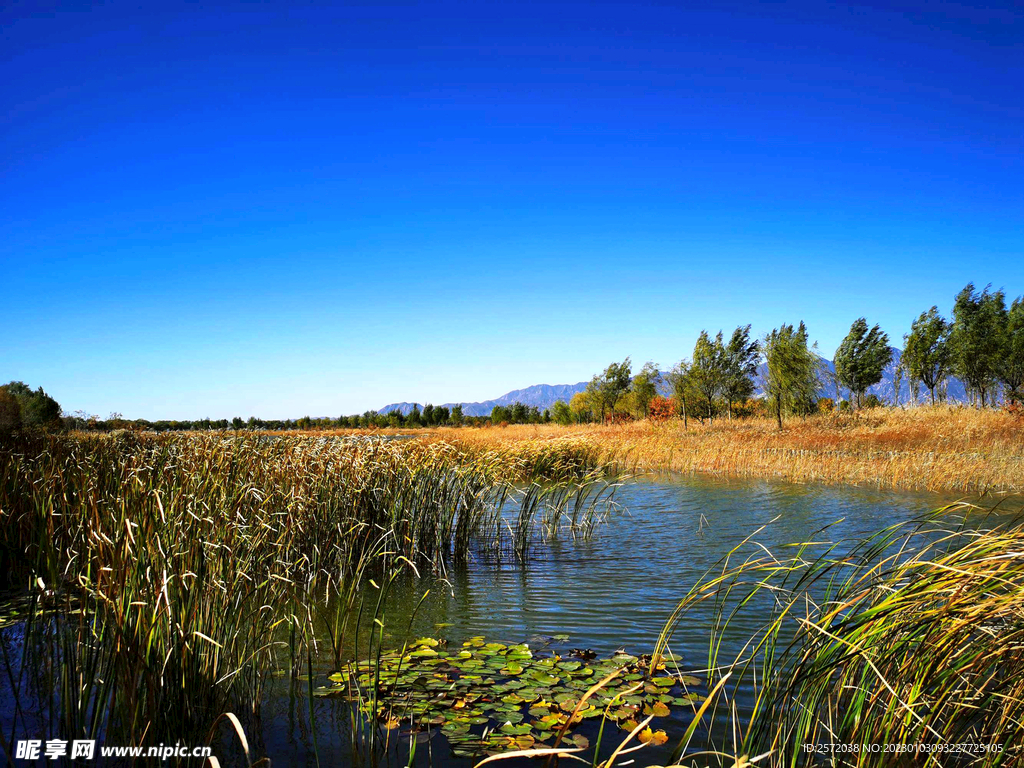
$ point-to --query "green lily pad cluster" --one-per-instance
(488, 697)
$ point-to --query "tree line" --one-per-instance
(21, 407)
(429, 416)
(982, 345)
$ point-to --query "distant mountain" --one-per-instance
(885, 389)
(541, 395)
(544, 395)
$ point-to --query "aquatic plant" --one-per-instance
(913, 638)
(170, 575)
(489, 697)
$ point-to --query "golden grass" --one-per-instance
(930, 448)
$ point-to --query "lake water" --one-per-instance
(614, 590)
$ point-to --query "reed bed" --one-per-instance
(169, 576)
(909, 650)
(945, 448)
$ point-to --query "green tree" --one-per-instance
(518, 413)
(645, 387)
(441, 415)
(791, 380)
(1010, 367)
(500, 414)
(457, 416)
(413, 419)
(739, 365)
(610, 385)
(582, 406)
(976, 339)
(707, 373)
(36, 408)
(861, 358)
(428, 415)
(679, 378)
(926, 352)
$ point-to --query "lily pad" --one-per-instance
(657, 709)
(496, 687)
(647, 736)
(515, 729)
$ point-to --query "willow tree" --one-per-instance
(791, 380)
(707, 373)
(1010, 368)
(926, 353)
(861, 358)
(976, 339)
(739, 364)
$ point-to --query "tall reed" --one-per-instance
(902, 651)
(172, 574)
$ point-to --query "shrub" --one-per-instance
(661, 408)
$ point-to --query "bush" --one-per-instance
(661, 409)
(826, 405)
(750, 408)
(35, 407)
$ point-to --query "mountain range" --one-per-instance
(544, 395)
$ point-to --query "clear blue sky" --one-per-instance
(281, 208)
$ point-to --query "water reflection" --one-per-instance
(614, 590)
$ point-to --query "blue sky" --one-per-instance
(280, 209)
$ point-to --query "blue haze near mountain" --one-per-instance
(544, 395)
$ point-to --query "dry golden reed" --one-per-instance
(944, 448)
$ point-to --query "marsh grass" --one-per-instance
(942, 448)
(167, 578)
(915, 637)
(171, 575)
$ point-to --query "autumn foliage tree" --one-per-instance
(661, 408)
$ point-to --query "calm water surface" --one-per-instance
(614, 590)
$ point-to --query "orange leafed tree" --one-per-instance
(661, 408)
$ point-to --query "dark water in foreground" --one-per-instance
(612, 591)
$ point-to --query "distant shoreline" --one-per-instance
(950, 449)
